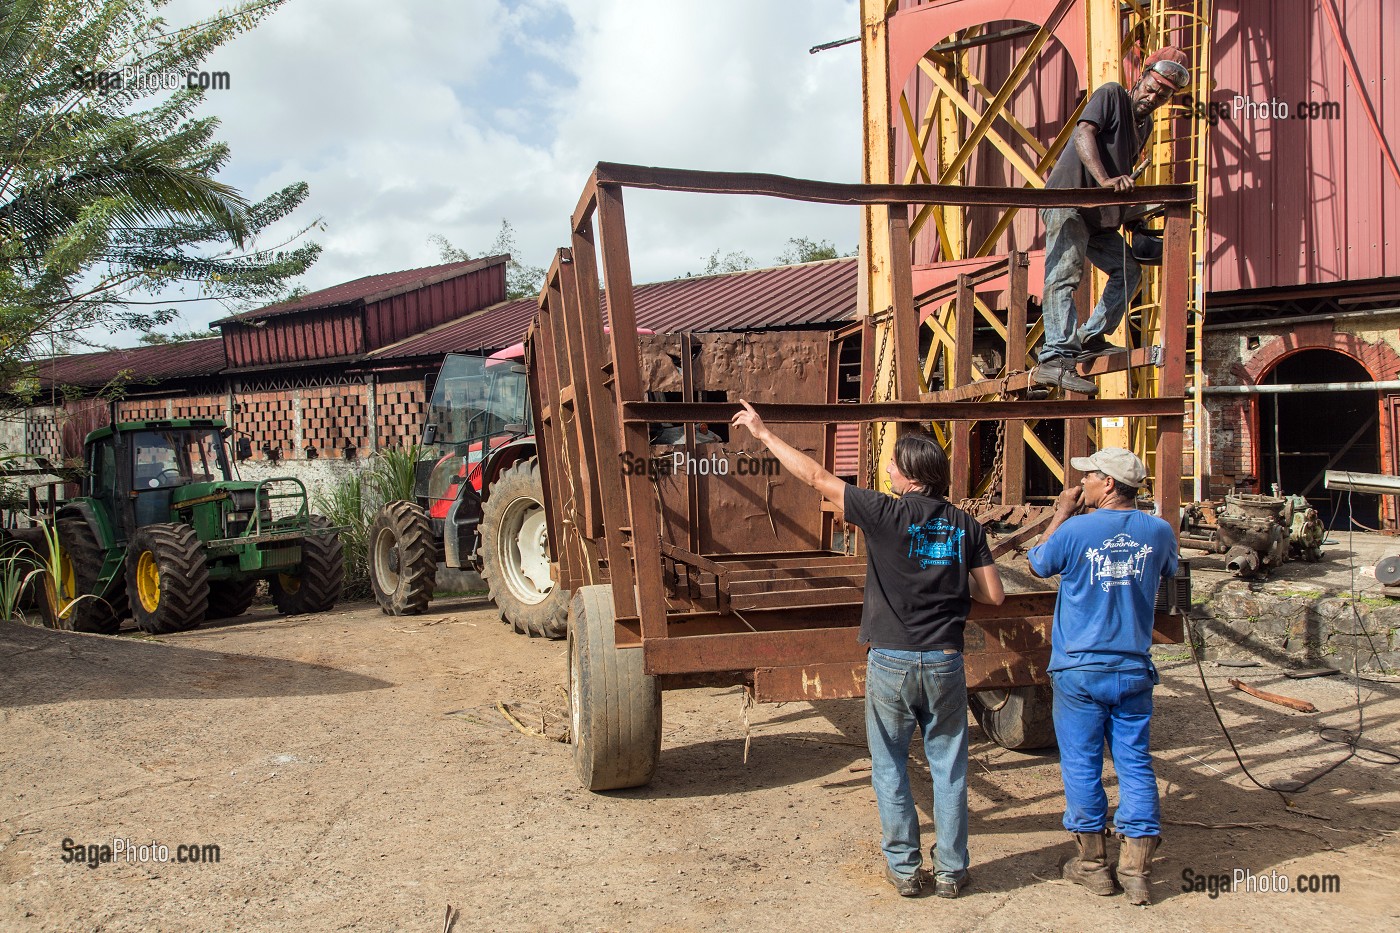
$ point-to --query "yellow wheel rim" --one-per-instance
(290, 584)
(69, 591)
(148, 581)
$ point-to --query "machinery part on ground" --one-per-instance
(1306, 532)
(402, 559)
(615, 708)
(229, 599)
(315, 585)
(1256, 524)
(515, 554)
(81, 558)
(167, 578)
(1020, 718)
(1388, 571)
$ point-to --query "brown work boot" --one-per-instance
(1090, 866)
(1135, 867)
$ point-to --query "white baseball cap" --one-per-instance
(1123, 465)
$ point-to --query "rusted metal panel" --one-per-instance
(838, 681)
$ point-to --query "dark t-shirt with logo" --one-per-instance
(1121, 138)
(919, 551)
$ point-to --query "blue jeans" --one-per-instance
(1067, 243)
(1094, 707)
(927, 688)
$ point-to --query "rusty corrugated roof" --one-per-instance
(810, 294)
(145, 364)
(368, 289)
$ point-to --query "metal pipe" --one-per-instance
(1290, 388)
(1241, 559)
(1348, 481)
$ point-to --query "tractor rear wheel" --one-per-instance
(515, 554)
(615, 707)
(316, 584)
(229, 599)
(81, 557)
(166, 578)
(1021, 719)
(402, 559)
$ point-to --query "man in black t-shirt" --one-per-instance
(926, 562)
(1110, 134)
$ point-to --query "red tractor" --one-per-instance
(478, 501)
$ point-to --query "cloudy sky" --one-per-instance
(419, 117)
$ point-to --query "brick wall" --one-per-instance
(269, 419)
(334, 419)
(399, 411)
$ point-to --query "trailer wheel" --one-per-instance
(615, 707)
(229, 599)
(1020, 719)
(316, 584)
(81, 556)
(402, 559)
(166, 578)
(515, 554)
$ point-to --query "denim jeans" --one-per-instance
(1091, 708)
(1067, 243)
(927, 688)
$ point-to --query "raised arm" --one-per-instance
(793, 460)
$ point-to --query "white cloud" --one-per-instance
(418, 117)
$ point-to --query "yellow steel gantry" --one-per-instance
(951, 121)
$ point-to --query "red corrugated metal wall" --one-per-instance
(1303, 201)
(1293, 201)
(295, 338)
(403, 315)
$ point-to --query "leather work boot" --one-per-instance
(1098, 346)
(1063, 373)
(1135, 867)
(1090, 866)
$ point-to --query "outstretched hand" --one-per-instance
(748, 418)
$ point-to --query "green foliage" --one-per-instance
(522, 281)
(717, 264)
(353, 501)
(801, 249)
(392, 471)
(349, 505)
(108, 190)
(17, 571)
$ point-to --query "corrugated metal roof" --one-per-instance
(145, 364)
(809, 294)
(369, 289)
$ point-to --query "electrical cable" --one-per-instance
(1328, 734)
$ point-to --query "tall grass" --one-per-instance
(17, 571)
(353, 501)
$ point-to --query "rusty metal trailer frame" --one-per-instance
(785, 623)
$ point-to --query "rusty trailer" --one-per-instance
(692, 561)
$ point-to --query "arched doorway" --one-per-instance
(1303, 434)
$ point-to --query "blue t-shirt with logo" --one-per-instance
(1110, 562)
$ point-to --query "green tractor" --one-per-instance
(165, 533)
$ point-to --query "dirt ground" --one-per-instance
(355, 772)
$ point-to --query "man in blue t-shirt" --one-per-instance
(1111, 562)
(1108, 137)
(926, 561)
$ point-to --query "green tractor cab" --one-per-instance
(167, 533)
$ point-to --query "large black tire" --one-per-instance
(515, 555)
(615, 707)
(229, 599)
(166, 578)
(1021, 719)
(314, 586)
(402, 559)
(82, 558)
